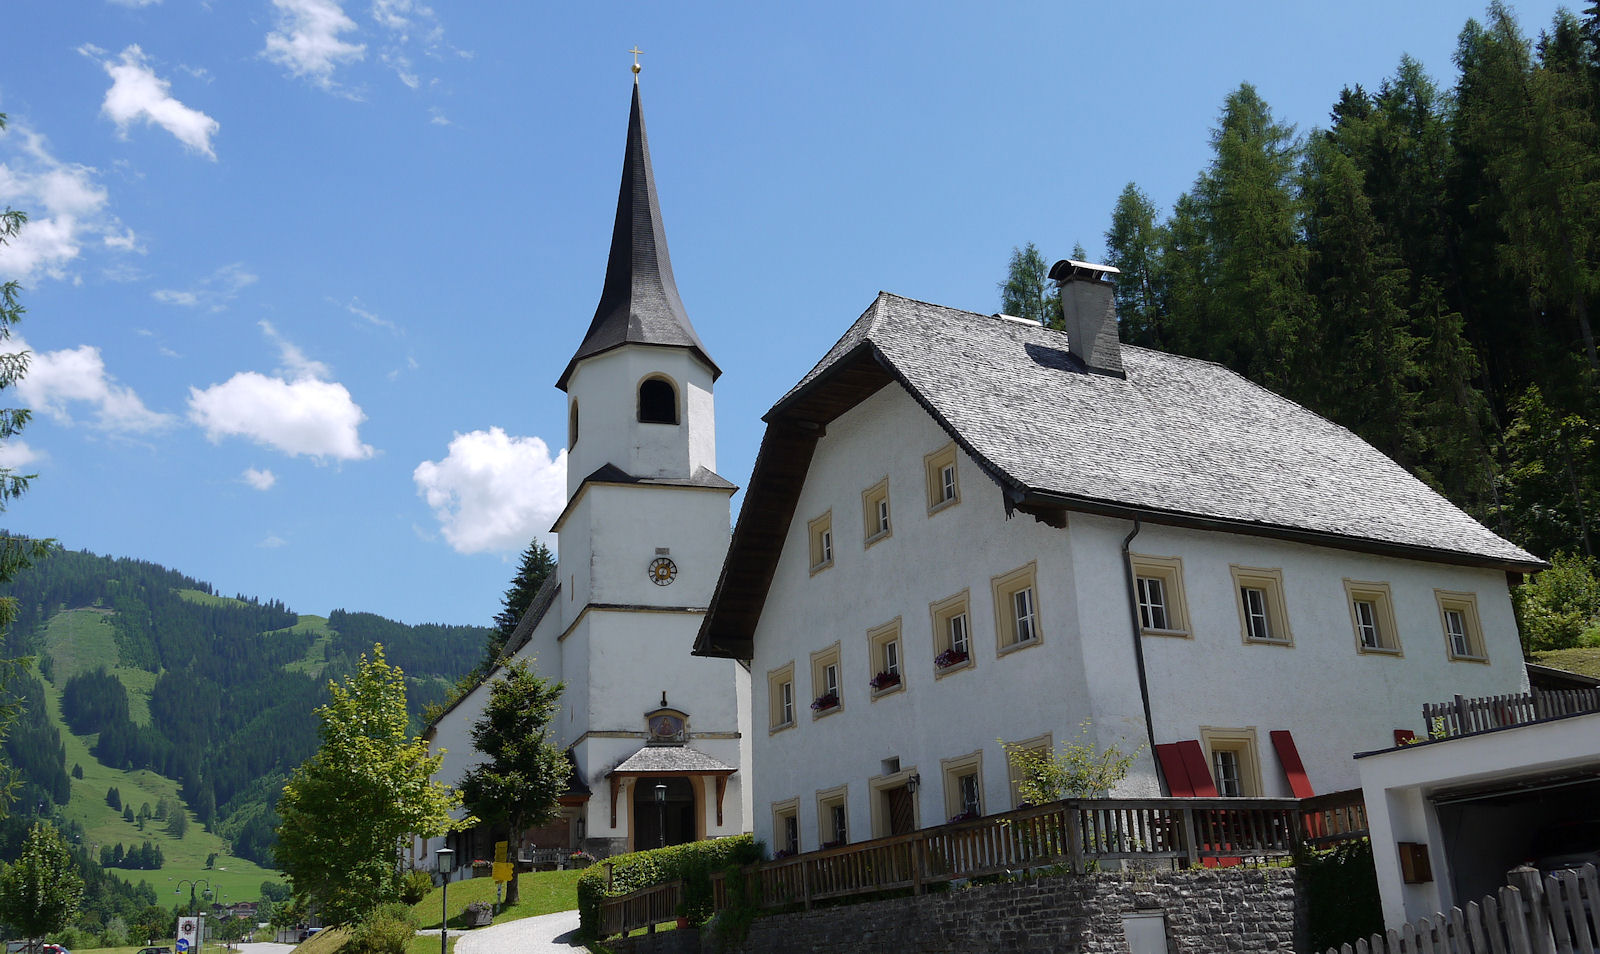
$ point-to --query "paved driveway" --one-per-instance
(546, 934)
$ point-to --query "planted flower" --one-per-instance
(826, 701)
(950, 657)
(884, 680)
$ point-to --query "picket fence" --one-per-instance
(1557, 913)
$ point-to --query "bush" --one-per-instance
(387, 930)
(1340, 887)
(415, 885)
(693, 863)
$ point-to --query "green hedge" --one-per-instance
(1340, 888)
(694, 863)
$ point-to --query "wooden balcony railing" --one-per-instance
(1073, 834)
(1335, 817)
(1462, 716)
(644, 908)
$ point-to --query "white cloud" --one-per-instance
(298, 414)
(438, 118)
(137, 93)
(213, 292)
(355, 307)
(57, 379)
(307, 42)
(492, 491)
(66, 206)
(259, 479)
(135, 3)
(273, 541)
(15, 454)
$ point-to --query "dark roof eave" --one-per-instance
(699, 353)
(1051, 500)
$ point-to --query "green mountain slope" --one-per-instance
(159, 687)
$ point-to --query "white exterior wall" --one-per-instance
(1333, 699)
(606, 390)
(1397, 785)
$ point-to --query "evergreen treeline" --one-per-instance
(228, 720)
(33, 746)
(1422, 271)
(146, 857)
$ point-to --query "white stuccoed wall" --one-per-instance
(1334, 700)
(605, 388)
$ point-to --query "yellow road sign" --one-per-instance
(500, 852)
(503, 870)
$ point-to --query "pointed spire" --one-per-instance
(639, 302)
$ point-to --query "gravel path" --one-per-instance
(546, 934)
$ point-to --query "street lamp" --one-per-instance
(192, 885)
(446, 856)
(661, 815)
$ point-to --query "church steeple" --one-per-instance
(639, 302)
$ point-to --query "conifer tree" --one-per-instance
(1133, 247)
(1027, 292)
(536, 566)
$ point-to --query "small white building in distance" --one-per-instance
(658, 738)
(968, 528)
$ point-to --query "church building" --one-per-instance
(967, 531)
(658, 738)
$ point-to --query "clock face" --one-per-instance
(663, 571)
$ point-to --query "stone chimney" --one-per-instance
(1090, 314)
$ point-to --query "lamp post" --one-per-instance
(446, 856)
(661, 815)
(192, 885)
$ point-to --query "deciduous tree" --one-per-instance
(41, 890)
(369, 785)
(523, 772)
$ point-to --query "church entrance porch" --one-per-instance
(664, 812)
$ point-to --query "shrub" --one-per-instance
(387, 930)
(1340, 888)
(415, 885)
(693, 863)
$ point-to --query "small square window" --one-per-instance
(1016, 605)
(1463, 632)
(820, 531)
(887, 670)
(952, 634)
(780, 698)
(875, 512)
(944, 487)
(833, 817)
(1158, 582)
(826, 690)
(1235, 766)
(963, 786)
(1262, 617)
(1372, 615)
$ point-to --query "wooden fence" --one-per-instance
(1554, 914)
(1463, 716)
(644, 908)
(1073, 834)
(1335, 817)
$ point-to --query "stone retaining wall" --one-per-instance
(1209, 911)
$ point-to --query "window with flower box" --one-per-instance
(952, 633)
(826, 691)
(888, 672)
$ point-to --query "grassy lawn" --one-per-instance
(543, 892)
(79, 640)
(1584, 661)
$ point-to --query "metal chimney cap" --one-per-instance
(1069, 270)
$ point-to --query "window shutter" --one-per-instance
(1293, 769)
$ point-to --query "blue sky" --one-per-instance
(301, 274)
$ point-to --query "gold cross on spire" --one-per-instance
(636, 51)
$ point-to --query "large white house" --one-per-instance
(967, 528)
(657, 736)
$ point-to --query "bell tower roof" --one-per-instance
(639, 302)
